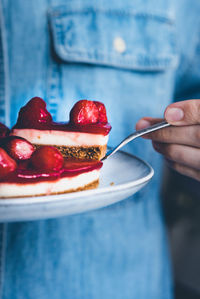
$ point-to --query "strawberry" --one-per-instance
(17, 147)
(7, 164)
(33, 113)
(102, 112)
(47, 158)
(84, 112)
(4, 131)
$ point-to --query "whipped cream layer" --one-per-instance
(61, 138)
(61, 185)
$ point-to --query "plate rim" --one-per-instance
(43, 199)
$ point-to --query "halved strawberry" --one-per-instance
(102, 112)
(4, 131)
(17, 147)
(47, 158)
(33, 112)
(84, 112)
(7, 164)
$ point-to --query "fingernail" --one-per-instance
(174, 114)
(143, 124)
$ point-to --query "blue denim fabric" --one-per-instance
(63, 51)
(4, 93)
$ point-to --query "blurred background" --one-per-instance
(181, 202)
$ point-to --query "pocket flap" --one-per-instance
(129, 39)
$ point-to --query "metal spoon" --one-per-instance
(134, 135)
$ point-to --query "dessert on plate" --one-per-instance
(41, 157)
(84, 136)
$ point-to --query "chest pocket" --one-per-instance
(130, 39)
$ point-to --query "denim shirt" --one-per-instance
(133, 56)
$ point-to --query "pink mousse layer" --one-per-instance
(61, 138)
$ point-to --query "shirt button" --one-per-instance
(119, 45)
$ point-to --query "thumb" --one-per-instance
(183, 113)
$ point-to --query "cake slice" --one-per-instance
(42, 157)
(84, 136)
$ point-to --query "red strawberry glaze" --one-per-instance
(84, 112)
(7, 164)
(34, 112)
(24, 174)
(47, 158)
(4, 131)
(102, 112)
(85, 116)
(98, 128)
(17, 148)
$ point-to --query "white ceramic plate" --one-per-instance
(121, 176)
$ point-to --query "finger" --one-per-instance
(183, 113)
(146, 122)
(181, 154)
(185, 170)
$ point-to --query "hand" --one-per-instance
(180, 143)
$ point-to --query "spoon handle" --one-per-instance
(136, 134)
